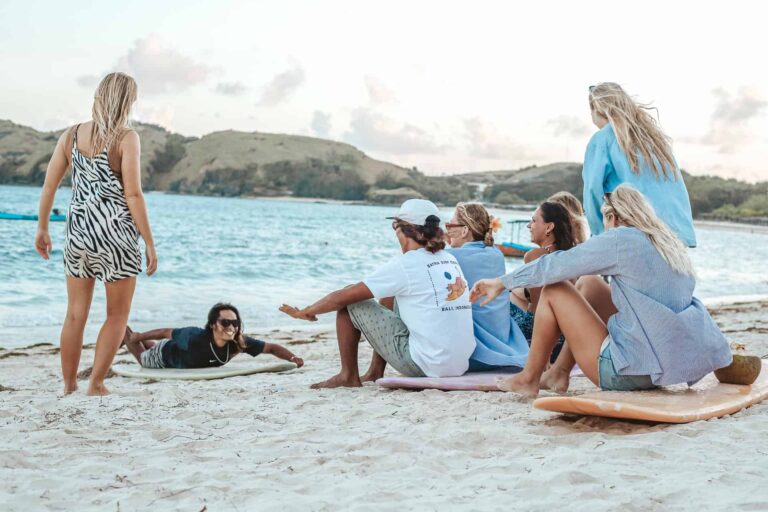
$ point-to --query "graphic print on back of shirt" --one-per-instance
(448, 284)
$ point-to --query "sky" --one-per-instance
(444, 86)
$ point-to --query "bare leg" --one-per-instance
(376, 370)
(558, 376)
(561, 310)
(79, 296)
(517, 298)
(349, 339)
(119, 297)
(598, 294)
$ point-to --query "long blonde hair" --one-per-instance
(112, 104)
(475, 217)
(630, 208)
(636, 130)
(575, 210)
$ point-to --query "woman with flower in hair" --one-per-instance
(107, 214)
(500, 342)
(631, 148)
(660, 335)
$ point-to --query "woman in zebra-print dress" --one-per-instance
(106, 216)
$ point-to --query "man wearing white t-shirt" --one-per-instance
(429, 332)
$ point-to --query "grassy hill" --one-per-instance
(236, 163)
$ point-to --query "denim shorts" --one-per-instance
(609, 380)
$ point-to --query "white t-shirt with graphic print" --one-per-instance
(433, 300)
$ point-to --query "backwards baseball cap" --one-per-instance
(416, 211)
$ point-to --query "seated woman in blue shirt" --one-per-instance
(500, 342)
(661, 334)
(631, 148)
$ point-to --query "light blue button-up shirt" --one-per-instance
(500, 342)
(606, 167)
(660, 329)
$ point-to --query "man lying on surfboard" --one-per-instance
(194, 347)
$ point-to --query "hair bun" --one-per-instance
(433, 221)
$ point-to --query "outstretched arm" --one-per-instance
(281, 352)
(334, 301)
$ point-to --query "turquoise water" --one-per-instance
(258, 254)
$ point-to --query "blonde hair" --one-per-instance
(575, 210)
(477, 219)
(112, 104)
(637, 132)
(630, 208)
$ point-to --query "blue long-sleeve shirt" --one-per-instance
(500, 342)
(661, 329)
(606, 167)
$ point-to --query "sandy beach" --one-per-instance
(267, 442)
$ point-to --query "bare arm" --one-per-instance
(57, 168)
(334, 301)
(283, 353)
(131, 170)
(530, 256)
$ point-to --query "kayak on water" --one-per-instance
(21, 216)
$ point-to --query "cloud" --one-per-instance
(570, 126)
(281, 87)
(156, 67)
(731, 117)
(231, 89)
(161, 116)
(486, 142)
(378, 92)
(87, 80)
(321, 124)
(373, 131)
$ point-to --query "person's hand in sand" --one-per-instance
(489, 288)
(299, 314)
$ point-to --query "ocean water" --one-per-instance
(259, 254)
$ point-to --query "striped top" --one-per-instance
(660, 329)
(606, 167)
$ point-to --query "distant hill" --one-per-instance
(228, 162)
(233, 163)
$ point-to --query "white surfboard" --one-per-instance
(221, 372)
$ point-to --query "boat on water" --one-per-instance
(55, 217)
(515, 249)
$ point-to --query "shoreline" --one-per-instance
(727, 225)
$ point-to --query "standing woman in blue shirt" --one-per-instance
(500, 342)
(660, 335)
(631, 148)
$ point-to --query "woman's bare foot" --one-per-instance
(338, 381)
(522, 384)
(97, 389)
(70, 388)
(555, 379)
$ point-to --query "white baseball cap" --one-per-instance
(416, 211)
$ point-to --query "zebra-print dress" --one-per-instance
(102, 240)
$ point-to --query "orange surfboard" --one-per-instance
(708, 398)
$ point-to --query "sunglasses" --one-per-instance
(448, 225)
(226, 322)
